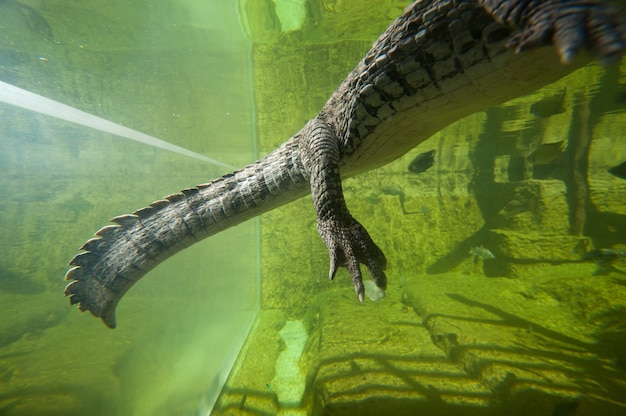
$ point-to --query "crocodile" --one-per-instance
(439, 61)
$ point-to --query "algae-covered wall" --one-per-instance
(483, 189)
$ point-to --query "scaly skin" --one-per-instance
(441, 60)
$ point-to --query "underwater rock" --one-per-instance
(536, 246)
(495, 333)
(535, 206)
(549, 106)
(372, 291)
(289, 381)
(422, 162)
(618, 170)
(482, 252)
(547, 153)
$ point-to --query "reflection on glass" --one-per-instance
(174, 71)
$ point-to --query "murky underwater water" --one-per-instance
(504, 294)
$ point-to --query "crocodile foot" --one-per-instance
(349, 244)
(573, 25)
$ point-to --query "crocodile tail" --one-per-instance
(121, 253)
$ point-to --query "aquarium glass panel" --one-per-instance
(106, 107)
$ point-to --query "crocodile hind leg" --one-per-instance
(570, 25)
(348, 242)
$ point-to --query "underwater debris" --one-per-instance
(372, 291)
(549, 106)
(618, 170)
(482, 252)
(547, 153)
(604, 255)
(422, 162)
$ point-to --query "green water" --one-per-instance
(178, 71)
(535, 330)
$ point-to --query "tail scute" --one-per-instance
(108, 231)
(125, 221)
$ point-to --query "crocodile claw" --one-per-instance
(349, 245)
(572, 27)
